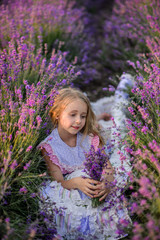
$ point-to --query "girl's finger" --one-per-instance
(93, 181)
(95, 187)
(90, 191)
(101, 193)
(89, 195)
(104, 196)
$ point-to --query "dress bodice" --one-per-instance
(66, 157)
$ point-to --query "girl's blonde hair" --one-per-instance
(66, 96)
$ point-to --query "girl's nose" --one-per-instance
(78, 120)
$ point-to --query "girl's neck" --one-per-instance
(69, 139)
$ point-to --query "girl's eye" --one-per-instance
(83, 116)
(73, 115)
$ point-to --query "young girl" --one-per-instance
(69, 192)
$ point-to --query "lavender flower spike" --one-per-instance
(95, 162)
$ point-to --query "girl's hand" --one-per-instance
(87, 186)
(103, 191)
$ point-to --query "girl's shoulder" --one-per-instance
(49, 139)
(93, 140)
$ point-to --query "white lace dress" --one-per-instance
(72, 212)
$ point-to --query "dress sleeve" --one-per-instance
(54, 159)
(94, 141)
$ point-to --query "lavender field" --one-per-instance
(47, 44)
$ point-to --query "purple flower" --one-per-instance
(95, 162)
(39, 120)
(13, 165)
(29, 148)
(23, 190)
(33, 195)
(111, 88)
(27, 165)
(144, 129)
(7, 220)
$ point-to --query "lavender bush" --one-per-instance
(143, 137)
(28, 87)
(126, 32)
(133, 34)
(53, 21)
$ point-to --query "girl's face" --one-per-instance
(73, 117)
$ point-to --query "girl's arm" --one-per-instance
(108, 172)
(86, 185)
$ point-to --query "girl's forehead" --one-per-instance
(77, 104)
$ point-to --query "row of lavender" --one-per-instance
(136, 24)
(39, 44)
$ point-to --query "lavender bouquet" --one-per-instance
(94, 164)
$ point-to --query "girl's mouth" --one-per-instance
(75, 127)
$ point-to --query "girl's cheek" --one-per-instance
(84, 123)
